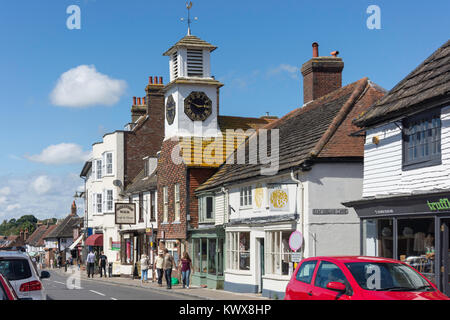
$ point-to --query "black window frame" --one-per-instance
(141, 207)
(302, 266)
(427, 160)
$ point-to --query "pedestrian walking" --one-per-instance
(90, 261)
(102, 260)
(185, 264)
(159, 264)
(144, 268)
(168, 265)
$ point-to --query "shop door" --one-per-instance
(445, 257)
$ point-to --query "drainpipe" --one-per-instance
(300, 198)
(225, 207)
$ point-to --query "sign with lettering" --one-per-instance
(296, 256)
(329, 211)
(115, 246)
(125, 213)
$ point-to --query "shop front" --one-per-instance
(207, 256)
(132, 246)
(410, 228)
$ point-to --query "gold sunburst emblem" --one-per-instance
(279, 199)
(259, 196)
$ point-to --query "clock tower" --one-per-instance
(192, 95)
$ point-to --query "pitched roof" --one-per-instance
(320, 129)
(212, 152)
(190, 41)
(141, 183)
(64, 229)
(10, 241)
(34, 238)
(423, 88)
(41, 241)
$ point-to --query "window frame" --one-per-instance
(141, 207)
(98, 169)
(108, 201)
(165, 204)
(234, 251)
(273, 253)
(106, 165)
(245, 197)
(408, 126)
(152, 206)
(203, 206)
(99, 203)
(176, 196)
(301, 268)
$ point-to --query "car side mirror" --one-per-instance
(336, 286)
(45, 274)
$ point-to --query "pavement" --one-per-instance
(194, 292)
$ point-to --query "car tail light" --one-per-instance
(31, 286)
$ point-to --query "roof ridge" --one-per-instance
(340, 116)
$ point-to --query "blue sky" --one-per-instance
(261, 46)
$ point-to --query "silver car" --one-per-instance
(23, 275)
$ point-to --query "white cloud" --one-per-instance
(5, 191)
(12, 207)
(2, 200)
(63, 153)
(42, 185)
(282, 68)
(84, 86)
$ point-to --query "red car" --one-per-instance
(6, 290)
(359, 278)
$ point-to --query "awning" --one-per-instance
(73, 245)
(95, 240)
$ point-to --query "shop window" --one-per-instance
(196, 255)
(378, 235)
(422, 140)
(204, 256)
(172, 247)
(416, 244)
(212, 256)
(220, 258)
(278, 253)
(238, 250)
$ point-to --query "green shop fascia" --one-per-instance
(207, 254)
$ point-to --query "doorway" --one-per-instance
(260, 264)
(445, 256)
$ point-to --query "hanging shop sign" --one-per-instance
(125, 213)
(279, 199)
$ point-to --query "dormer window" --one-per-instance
(175, 64)
(195, 62)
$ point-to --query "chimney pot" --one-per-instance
(150, 80)
(156, 80)
(160, 80)
(143, 100)
(315, 46)
(139, 101)
(335, 53)
(134, 101)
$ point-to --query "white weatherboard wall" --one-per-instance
(383, 173)
(105, 221)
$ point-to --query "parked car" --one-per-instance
(24, 277)
(6, 290)
(359, 278)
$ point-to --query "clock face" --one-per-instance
(197, 106)
(170, 110)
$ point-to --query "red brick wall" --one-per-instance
(169, 174)
(196, 177)
(147, 137)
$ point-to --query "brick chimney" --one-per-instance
(155, 96)
(21, 235)
(73, 211)
(25, 235)
(321, 75)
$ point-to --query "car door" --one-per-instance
(329, 272)
(300, 286)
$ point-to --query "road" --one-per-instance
(56, 289)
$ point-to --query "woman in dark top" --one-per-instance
(185, 263)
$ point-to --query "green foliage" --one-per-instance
(13, 226)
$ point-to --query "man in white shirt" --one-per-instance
(90, 260)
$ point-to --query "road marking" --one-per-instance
(97, 292)
(60, 282)
(113, 299)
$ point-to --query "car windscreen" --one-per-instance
(15, 269)
(379, 276)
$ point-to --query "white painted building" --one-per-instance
(104, 178)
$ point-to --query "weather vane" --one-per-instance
(189, 6)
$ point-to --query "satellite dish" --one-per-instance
(117, 183)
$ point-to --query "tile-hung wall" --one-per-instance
(383, 172)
